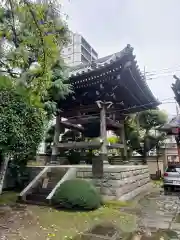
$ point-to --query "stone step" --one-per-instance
(31, 202)
(36, 197)
(43, 191)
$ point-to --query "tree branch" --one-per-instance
(8, 69)
(40, 33)
(15, 39)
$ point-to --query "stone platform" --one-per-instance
(119, 182)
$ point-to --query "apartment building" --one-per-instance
(78, 51)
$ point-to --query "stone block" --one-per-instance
(118, 181)
(175, 226)
(108, 191)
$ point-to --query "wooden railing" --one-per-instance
(70, 174)
(33, 183)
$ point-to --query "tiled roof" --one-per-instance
(173, 123)
(99, 63)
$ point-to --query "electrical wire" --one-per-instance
(164, 69)
(161, 72)
(161, 76)
(163, 101)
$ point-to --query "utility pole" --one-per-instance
(177, 109)
(144, 72)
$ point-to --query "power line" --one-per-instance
(162, 72)
(160, 76)
(167, 99)
(165, 72)
(164, 69)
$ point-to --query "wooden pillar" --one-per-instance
(97, 165)
(57, 132)
(123, 140)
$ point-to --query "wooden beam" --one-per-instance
(83, 119)
(69, 145)
(115, 145)
(70, 125)
(87, 119)
(113, 123)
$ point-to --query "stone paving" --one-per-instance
(158, 212)
(156, 219)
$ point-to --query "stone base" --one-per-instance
(119, 182)
(97, 166)
(135, 192)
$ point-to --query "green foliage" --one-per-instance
(113, 139)
(35, 34)
(8, 198)
(140, 130)
(21, 121)
(19, 174)
(77, 194)
(32, 35)
(150, 119)
(176, 89)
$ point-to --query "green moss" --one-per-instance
(115, 204)
(8, 198)
(67, 225)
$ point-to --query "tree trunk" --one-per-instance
(3, 172)
(157, 161)
(145, 147)
(55, 150)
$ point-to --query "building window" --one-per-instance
(84, 60)
(85, 53)
(85, 44)
(69, 49)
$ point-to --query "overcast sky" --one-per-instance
(150, 26)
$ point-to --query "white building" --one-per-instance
(78, 51)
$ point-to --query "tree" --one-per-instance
(34, 36)
(140, 130)
(21, 125)
(176, 88)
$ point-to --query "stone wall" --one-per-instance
(9, 180)
(135, 160)
(119, 182)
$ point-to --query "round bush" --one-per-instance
(77, 194)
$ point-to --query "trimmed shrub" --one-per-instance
(77, 194)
